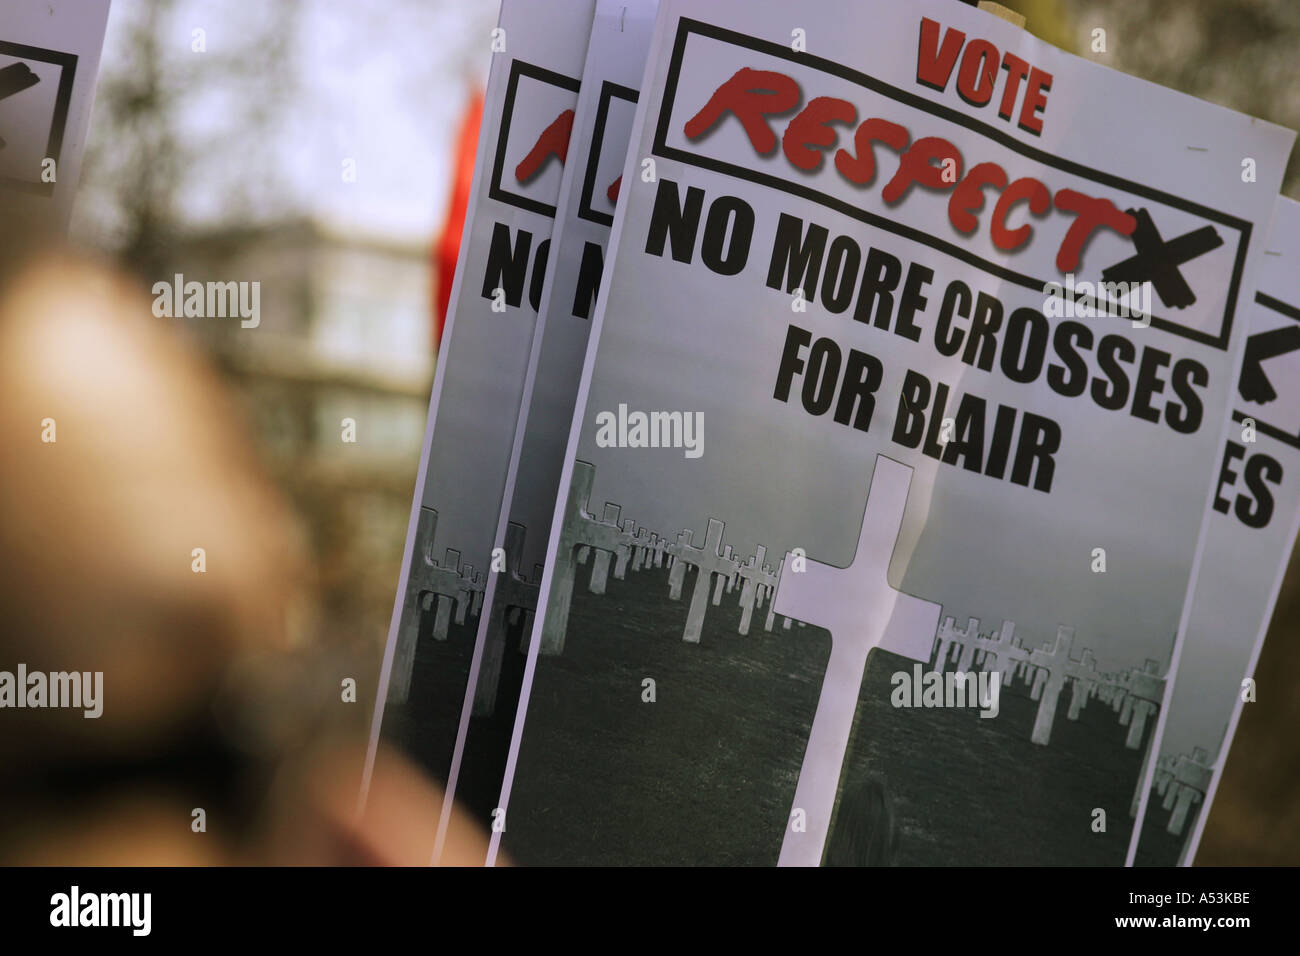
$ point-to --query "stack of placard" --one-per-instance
(49, 58)
(861, 437)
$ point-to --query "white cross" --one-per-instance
(579, 530)
(1085, 678)
(510, 590)
(641, 545)
(1146, 691)
(445, 585)
(624, 552)
(862, 610)
(1006, 650)
(677, 569)
(1192, 776)
(1056, 669)
(756, 575)
(708, 561)
(606, 536)
(969, 645)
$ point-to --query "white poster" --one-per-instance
(538, 49)
(49, 57)
(912, 361)
(1248, 543)
(602, 129)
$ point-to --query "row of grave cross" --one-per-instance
(1134, 694)
(445, 590)
(1182, 781)
(585, 537)
(452, 592)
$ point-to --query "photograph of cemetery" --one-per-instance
(672, 705)
(1174, 805)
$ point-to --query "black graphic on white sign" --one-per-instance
(1269, 397)
(35, 91)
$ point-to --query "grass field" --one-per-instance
(973, 790)
(1158, 847)
(425, 726)
(706, 773)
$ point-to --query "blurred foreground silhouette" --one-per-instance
(217, 694)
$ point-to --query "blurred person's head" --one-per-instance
(139, 540)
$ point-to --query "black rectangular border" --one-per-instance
(608, 91)
(1292, 313)
(520, 68)
(687, 26)
(67, 63)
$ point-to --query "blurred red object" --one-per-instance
(447, 247)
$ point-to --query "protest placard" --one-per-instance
(49, 58)
(1247, 547)
(602, 128)
(962, 314)
(538, 50)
